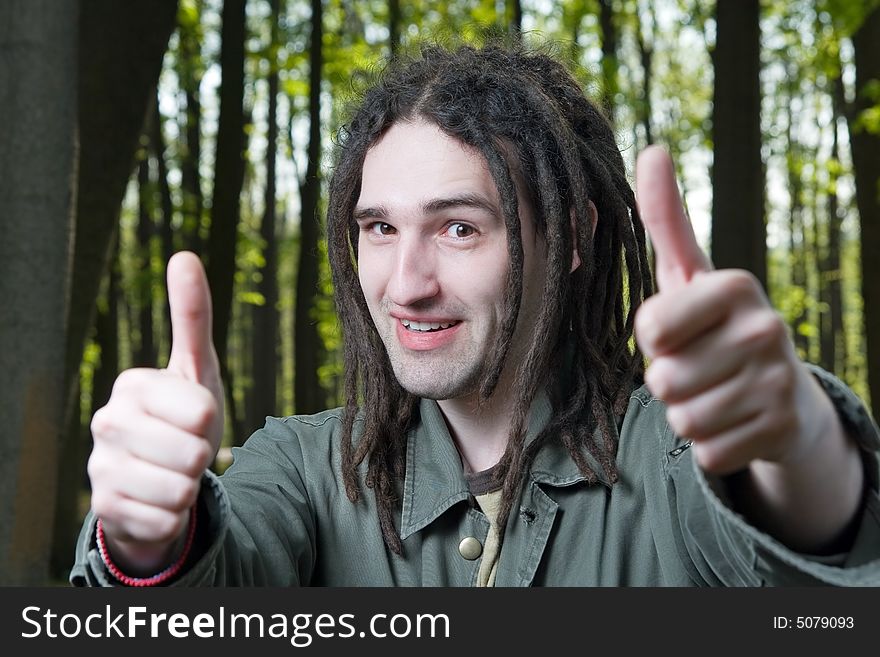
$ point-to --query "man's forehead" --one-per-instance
(418, 138)
(416, 163)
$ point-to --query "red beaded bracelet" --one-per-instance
(157, 579)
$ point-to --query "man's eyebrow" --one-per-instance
(370, 213)
(461, 201)
(435, 205)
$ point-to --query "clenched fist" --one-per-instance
(158, 432)
(727, 370)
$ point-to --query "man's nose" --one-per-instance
(414, 275)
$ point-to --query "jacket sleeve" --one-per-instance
(255, 523)
(719, 547)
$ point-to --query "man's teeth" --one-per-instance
(425, 326)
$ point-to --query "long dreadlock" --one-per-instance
(519, 109)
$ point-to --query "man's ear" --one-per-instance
(594, 219)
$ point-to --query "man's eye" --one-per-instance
(460, 231)
(381, 228)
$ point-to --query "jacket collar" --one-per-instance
(435, 479)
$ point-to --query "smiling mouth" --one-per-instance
(426, 327)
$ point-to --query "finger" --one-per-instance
(670, 321)
(167, 446)
(184, 404)
(153, 485)
(716, 410)
(763, 437)
(717, 355)
(679, 257)
(679, 377)
(665, 323)
(192, 347)
(733, 450)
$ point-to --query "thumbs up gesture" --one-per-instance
(720, 355)
(158, 432)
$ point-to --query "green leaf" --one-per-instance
(252, 298)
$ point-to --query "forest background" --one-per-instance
(130, 130)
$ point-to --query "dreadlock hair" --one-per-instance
(520, 109)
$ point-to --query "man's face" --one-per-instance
(433, 262)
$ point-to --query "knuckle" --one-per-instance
(713, 460)
(197, 459)
(649, 327)
(765, 327)
(774, 325)
(127, 380)
(102, 422)
(739, 284)
(657, 381)
(183, 495)
(103, 504)
(204, 411)
(643, 321)
(194, 488)
(133, 382)
(167, 525)
(709, 460)
(98, 467)
(682, 421)
(93, 469)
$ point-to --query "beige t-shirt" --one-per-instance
(488, 497)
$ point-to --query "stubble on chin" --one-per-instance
(435, 377)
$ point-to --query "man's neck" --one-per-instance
(480, 433)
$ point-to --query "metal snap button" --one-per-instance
(470, 548)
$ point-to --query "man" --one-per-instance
(488, 260)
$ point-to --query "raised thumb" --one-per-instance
(679, 256)
(192, 347)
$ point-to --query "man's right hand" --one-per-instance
(158, 432)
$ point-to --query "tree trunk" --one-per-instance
(308, 348)
(121, 50)
(68, 515)
(866, 162)
(813, 257)
(228, 180)
(609, 56)
(797, 245)
(572, 18)
(646, 56)
(38, 46)
(265, 335)
(190, 71)
(836, 343)
(107, 337)
(120, 55)
(514, 18)
(145, 355)
(738, 225)
(166, 231)
(393, 26)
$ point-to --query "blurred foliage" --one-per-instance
(805, 49)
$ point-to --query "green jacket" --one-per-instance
(279, 516)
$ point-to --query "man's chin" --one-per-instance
(431, 388)
(430, 392)
(432, 376)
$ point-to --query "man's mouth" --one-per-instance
(426, 327)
